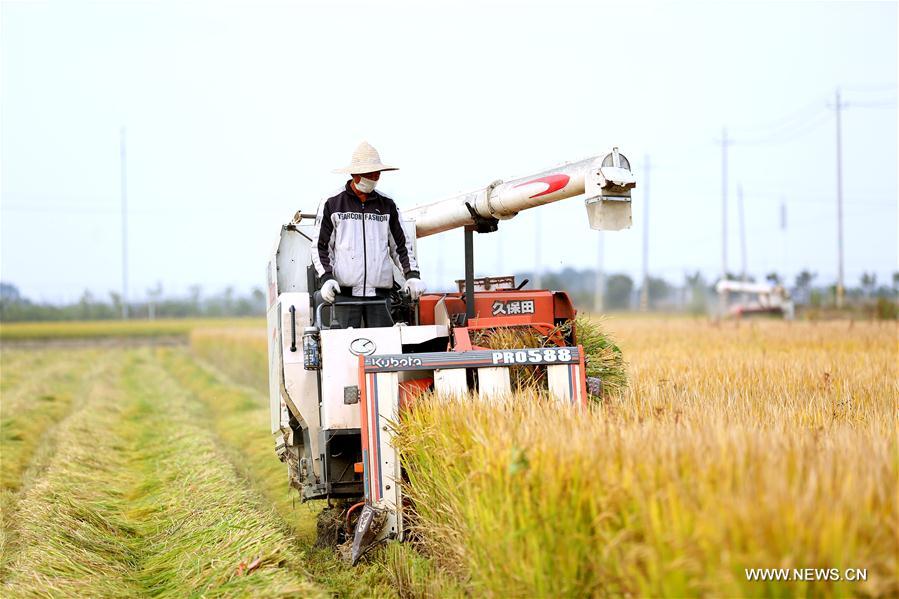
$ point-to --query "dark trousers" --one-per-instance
(375, 315)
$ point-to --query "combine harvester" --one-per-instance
(336, 393)
(757, 299)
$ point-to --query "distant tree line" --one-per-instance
(15, 307)
(694, 294)
(621, 292)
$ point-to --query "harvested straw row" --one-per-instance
(139, 501)
(41, 389)
(239, 418)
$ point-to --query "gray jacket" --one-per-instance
(357, 243)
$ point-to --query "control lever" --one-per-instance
(293, 328)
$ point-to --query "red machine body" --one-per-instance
(507, 307)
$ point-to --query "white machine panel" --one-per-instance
(494, 383)
(389, 462)
(341, 368)
(274, 367)
(300, 392)
(300, 302)
(293, 258)
(420, 334)
(451, 382)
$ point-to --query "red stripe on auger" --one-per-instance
(555, 183)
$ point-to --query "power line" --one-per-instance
(788, 121)
(778, 191)
(807, 115)
(871, 89)
(56, 210)
(883, 104)
(802, 122)
(788, 133)
(818, 199)
(67, 209)
(816, 221)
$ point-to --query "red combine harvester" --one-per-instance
(336, 393)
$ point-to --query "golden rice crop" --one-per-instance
(239, 353)
(760, 445)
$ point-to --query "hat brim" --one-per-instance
(361, 169)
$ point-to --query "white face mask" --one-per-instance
(365, 185)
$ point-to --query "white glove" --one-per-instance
(330, 290)
(414, 287)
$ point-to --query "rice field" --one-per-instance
(141, 471)
(99, 329)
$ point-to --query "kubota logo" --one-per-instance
(405, 362)
(554, 183)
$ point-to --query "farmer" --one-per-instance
(358, 238)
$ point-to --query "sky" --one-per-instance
(236, 113)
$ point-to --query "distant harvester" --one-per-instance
(759, 298)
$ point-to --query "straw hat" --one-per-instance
(365, 160)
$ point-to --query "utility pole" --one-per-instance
(440, 244)
(599, 290)
(644, 291)
(499, 256)
(837, 107)
(724, 144)
(741, 216)
(124, 225)
(538, 265)
(783, 240)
